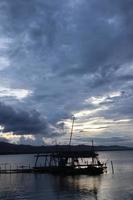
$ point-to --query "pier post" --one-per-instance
(112, 167)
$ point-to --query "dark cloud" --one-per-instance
(23, 122)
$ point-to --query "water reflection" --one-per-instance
(40, 186)
(81, 186)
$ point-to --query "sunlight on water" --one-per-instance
(109, 186)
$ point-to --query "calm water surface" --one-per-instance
(118, 186)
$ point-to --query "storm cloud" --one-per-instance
(20, 122)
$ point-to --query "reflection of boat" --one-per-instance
(81, 186)
(70, 162)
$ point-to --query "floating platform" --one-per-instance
(64, 163)
(70, 163)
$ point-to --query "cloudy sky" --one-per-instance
(62, 58)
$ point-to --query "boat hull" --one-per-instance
(70, 170)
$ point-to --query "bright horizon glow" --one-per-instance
(15, 138)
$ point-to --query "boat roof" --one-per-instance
(69, 154)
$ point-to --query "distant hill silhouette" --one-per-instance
(8, 148)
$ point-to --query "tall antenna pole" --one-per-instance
(92, 152)
(73, 118)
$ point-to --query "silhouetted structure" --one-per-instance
(70, 162)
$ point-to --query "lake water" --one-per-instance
(118, 186)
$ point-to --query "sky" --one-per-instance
(60, 59)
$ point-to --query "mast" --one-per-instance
(73, 118)
(72, 159)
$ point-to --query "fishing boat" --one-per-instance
(70, 161)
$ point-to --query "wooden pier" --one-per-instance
(6, 168)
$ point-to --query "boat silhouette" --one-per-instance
(69, 161)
